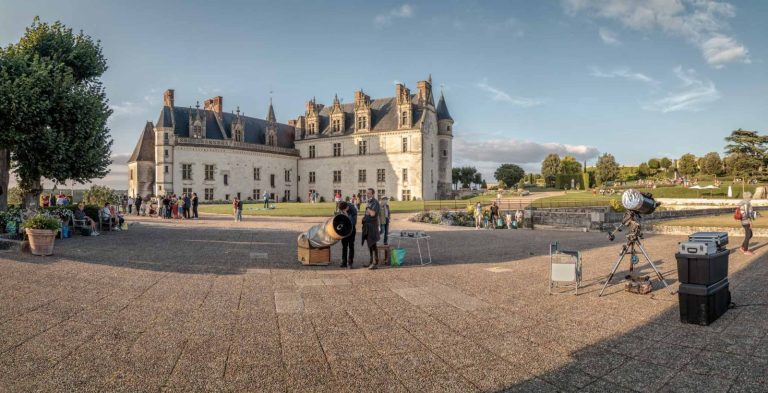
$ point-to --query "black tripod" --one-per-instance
(631, 221)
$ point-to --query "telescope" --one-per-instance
(314, 245)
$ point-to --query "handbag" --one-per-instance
(737, 214)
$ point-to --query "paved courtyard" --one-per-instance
(212, 305)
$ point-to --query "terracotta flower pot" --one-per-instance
(41, 241)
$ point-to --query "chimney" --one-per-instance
(425, 89)
(168, 98)
(214, 104)
(292, 123)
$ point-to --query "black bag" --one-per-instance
(240, 205)
(85, 231)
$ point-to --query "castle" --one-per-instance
(400, 146)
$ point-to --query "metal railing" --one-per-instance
(514, 204)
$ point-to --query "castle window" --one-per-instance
(256, 194)
(380, 175)
(166, 152)
(238, 135)
(272, 180)
(197, 131)
(362, 122)
(449, 128)
(209, 172)
(406, 195)
(362, 148)
(361, 175)
(311, 177)
(337, 149)
(166, 169)
(405, 145)
(287, 175)
(271, 139)
(257, 174)
(432, 151)
(445, 153)
(405, 175)
(209, 194)
(312, 151)
(165, 137)
(186, 172)
(312, 128)
(381, 193)
(404, 121)
(226, 180)
(337, 176)
(187, 190)
(336, 127)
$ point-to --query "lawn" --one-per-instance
(721, 221)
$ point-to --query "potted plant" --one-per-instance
(41, 230)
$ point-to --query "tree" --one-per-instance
(654, 164)
(99, 195)
(643, 171)
(550, 167)
(687, 165)
(465, 175)
(748, 143)
(712, 164)
(509, 174)
(607, 168)
(666, 164)
(456, 176)
(501, 185)
(569, 166)
(740, 164)
(53, 109)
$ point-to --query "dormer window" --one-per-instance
(311, 128)
(197, 131)
(336, 125)
(404, 120)
(238, 135)
(362, 122)
(271, 139)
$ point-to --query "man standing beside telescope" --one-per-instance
(371, 226)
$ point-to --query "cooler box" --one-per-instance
(702, 269)
(702, 304)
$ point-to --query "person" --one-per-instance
(519, 218)
(108, 214)
(747, 215)
(45, 200)
(138, 205)
(174, 206)
(61, 200)
(130, 205)
(384, 219)
(194, 205)
(180, 207)
(494, 214)
(266, 199)
(348, 243)
(187, 206)
(371, 227)
(167, 206)
(237, 206)
(80, 215)
(124, 203)
(478, 215)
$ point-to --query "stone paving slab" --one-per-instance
(185, 306)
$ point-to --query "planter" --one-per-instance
(41, 241)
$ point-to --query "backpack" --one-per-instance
(737, 214)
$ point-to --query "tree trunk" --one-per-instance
(5, 176)
(32, 195)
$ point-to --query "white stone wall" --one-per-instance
(238, 165)
(431, 156)
(384, 151)
(141, 178)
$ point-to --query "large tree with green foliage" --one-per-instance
(569, 166)
(467, 175)
(643, 171)
(509, 174)
(654, 164)
(665, 164)
(712, 164)
(607, 169)
(740, 164)
(749, 143)
(687, 165)
(550, 168)
(53, 109)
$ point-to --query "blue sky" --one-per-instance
(637, 79)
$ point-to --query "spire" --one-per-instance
(271, 113)
(442, 108)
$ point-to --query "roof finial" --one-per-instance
(430, 78)
(197, 104)
(442, 86)
(238, 110)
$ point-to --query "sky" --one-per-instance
(522, 79)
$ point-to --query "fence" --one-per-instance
(514, 204)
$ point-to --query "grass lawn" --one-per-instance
(575, 199)
(722, 221)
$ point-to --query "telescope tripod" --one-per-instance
(632, 221)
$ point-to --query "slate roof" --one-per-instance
(255, 130)
(383, 116)
(442, 109)
(145, 147)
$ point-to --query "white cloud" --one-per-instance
(701, 22)
(621, 73)
(127, 108)
(691, 96)
(516, 151)
(404, 11)
(609, 37)
(206, 92)
(502, 96)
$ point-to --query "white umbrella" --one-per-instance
(696, 187)
(710, 187)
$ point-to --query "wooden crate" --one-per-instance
(314, 256)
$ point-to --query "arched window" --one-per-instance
(238, 135)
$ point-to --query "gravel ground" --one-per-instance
(212, 305)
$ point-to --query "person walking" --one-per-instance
(384, 219)
(371, 228)
(237, 206)
(187, 206)
(194, 205)
(747, 215)
(494, 214)
(266, 200)
(348, 243)
(138, 205)
(130, 205)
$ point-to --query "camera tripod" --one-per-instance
(631, 221)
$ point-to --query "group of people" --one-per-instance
(492, 218)
(49, 200)
(109, 214)
(375, 225)
(178, 207)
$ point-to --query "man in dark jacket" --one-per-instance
(187, 205)
(348, 243)
(371, 227)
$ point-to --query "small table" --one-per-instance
(418, 236)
